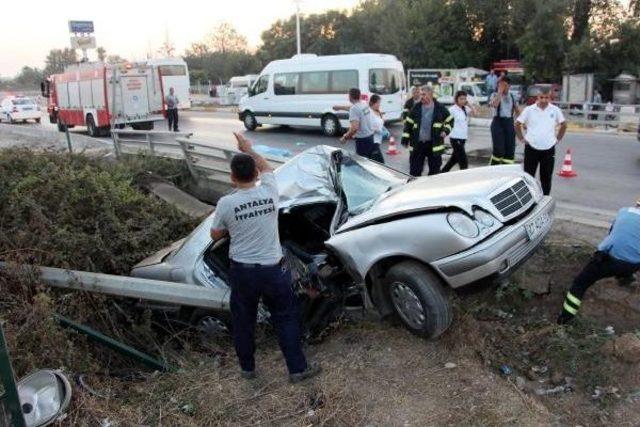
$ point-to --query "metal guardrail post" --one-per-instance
(9, 382)
(116, 143)
(150, 144)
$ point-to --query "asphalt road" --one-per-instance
(608, 164)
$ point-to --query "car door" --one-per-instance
(261, 100)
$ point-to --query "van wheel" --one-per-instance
(38, 120)
(330, 125)
(249, 121)
(419, 299)
(92, 129)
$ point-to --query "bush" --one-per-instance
(81, 213)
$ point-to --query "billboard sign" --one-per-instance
(81, 27)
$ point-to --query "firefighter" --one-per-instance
(425, 128)
(503, 134)
(408, 105)
(617, 256)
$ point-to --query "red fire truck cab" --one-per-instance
(101, 96)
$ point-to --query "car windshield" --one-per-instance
(482, 89)
(363, 181)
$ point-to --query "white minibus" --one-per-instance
(302, 91)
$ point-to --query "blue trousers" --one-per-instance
(273, 284)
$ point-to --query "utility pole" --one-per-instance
(297, 3)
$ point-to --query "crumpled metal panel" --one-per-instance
(307, 178)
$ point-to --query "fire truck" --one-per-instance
(101, 96)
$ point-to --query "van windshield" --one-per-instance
(385, 81)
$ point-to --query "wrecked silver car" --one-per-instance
(352, 227)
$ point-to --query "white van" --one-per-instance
(302, 91)
(175, 74)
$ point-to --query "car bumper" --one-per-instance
(26, 115)
(499, 255)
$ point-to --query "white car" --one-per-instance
(15, 108)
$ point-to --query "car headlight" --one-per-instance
(462, 224)
(484, 218)
(534, 185)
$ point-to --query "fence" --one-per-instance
(154, 142)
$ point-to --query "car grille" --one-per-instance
(513, 199)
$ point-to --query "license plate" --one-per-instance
(537, 225)
(27, 109)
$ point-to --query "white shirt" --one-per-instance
(541, 125)
(460, 122)
(377, 123)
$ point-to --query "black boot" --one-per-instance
(565, 317)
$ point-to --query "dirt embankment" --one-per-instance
(503, 362)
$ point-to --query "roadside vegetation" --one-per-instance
(503, 362)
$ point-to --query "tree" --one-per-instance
(58, 59)
(544, 42)
(28, 78)
(225, 38)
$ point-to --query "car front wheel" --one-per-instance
(419, 298)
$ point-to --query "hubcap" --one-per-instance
(329, 126)
(407, 305)
(248, 120)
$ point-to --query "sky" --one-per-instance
(130, 28)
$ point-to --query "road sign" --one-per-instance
(81, 27)
(83, 42)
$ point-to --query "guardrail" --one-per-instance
(210, 162)
(153, 142)
(205, 161)
(624, 117)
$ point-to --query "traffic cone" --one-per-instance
(393, 149)
(567, 166)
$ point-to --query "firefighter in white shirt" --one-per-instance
(541, 120)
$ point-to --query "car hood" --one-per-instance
(159, 256)
(461, 189)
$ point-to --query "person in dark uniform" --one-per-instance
(172, 102)
(503, 133)
(409, 103)
(618, 255)
(425, 129)
(249, 216)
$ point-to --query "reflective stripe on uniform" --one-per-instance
(406, 135)
(438, 148)
(496, 159)
(448, 127)
(573, 300)
(410, 120)
(437, 125)
(448, 119)
(569, 309)
(415, 126)
(508, 161)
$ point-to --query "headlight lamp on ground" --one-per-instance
(462, 224)
(484, 218)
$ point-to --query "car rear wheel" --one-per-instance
(38, 120)
(330, 125)
(249, 121)
(419, 299)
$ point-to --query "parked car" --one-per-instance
(16, 108)
(352, 228)
(534, 90)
